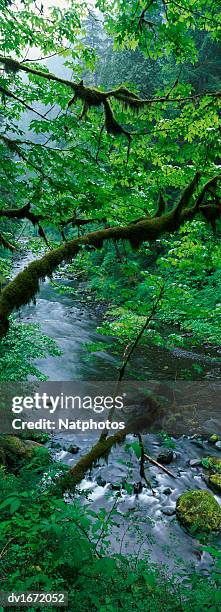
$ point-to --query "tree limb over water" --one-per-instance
(26, 284)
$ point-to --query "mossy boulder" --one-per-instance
(214, 438)
(212, 463)
(18, 452)
(214, 481)
(199, 511)
(12, 445)
(37, 436)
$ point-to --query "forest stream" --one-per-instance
(146, 522)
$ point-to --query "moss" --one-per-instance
(214, 438)
(214, 481)
(37, 436)
(199, 511)
(19, 453)
(111, 124)
(91, 95)
(23, 288)
(15, 450)
(212, 463)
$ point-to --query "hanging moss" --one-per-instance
(111, 124)
(135, 244)
(161, 206)
(90, 95)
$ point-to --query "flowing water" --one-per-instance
(145, 522)
(73, 324)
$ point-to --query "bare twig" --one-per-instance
(159, 465)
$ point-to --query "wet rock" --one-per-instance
(214, 481)
(73, 449)
(214, 438)
(165, 457)
(116, 486)
(218, 445)
(56, 445)
(138, 487)
(199, 511)
(194, 462)
(199, 442)
(167, 491)
(101, 482)
(169, 511)
(32, 443)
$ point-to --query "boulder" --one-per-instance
(214, 481)
(56, 445)
(167, 491)
(199, 511)
(165, 457)
(214, 438)
(73, 449)
(14, 447)
(194, 463)
(101, 481)
(212, 463)
(17, 451)
(138, 487)
(168, 510)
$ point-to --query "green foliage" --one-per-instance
(5, 269)
(189, 266)
(65, 169)
(20, 347)
(53, 546)
(167, 440)
(37, 436)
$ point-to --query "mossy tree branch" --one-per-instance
(26, 284)
(93, 97)
(104, 445)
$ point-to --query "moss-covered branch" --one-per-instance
(93, 97)
(21, 213)
(26, 284)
